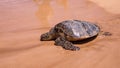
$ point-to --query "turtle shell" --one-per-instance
(77, 30)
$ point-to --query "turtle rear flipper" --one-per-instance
(60, 41)
(105, 33)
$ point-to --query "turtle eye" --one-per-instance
(46, 35)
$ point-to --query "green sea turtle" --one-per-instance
(71, 30)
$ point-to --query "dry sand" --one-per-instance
(23, 21)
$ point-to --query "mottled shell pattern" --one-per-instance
(75, 30)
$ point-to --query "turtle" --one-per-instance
(68, 31)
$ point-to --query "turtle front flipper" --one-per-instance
(60, 41)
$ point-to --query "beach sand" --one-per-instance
(23, 21)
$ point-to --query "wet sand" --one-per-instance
(23, 21)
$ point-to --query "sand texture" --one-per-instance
(23, 21)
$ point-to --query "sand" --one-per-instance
(23, 21)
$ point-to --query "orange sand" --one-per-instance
(23, 21)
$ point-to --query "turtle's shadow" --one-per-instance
(85, 40)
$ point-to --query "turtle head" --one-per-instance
(45, 37)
